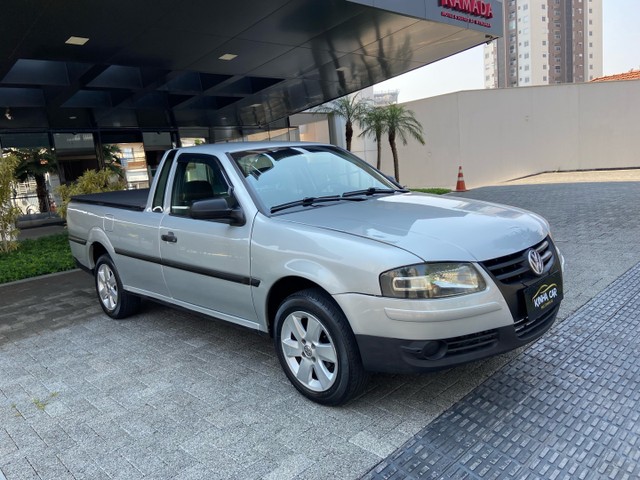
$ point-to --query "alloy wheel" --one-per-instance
(309, 351)
(107, 287)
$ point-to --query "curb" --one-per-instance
(39, 277)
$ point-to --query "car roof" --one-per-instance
(231, 147)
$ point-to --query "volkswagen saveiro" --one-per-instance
(348, 272)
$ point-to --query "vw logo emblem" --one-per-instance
(307, 351)
(535, 261)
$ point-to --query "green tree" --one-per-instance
(401, 123)
(91, 181)
(8, 211)
(374, 123)
(111, 155)
(351, 108)
(36, 163)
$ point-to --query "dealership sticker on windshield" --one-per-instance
(541, 297)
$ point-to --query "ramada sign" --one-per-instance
(473, 7)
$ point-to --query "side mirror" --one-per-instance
(217, 209)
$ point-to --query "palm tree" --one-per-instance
(374, 123)
(401, 123)
(36, 162)
(351, 108)
(111, 155)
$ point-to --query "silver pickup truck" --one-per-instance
(347, 271)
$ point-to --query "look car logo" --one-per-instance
(545, 296)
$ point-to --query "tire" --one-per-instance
(317, 349)
(114, 300)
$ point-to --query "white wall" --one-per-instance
(499, 135)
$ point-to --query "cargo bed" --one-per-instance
(127, 199)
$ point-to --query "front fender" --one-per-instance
(335, 261)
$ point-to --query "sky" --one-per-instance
(465, 71)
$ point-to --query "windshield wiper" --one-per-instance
(307, 202)
(373, 191)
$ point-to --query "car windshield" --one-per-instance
(295, 176)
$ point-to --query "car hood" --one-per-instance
(435, 228)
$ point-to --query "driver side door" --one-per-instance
(206, 263)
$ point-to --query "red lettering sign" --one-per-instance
(472, 7)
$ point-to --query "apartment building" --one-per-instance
(546, 42)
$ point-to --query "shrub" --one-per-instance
(41, 256)
(91, 181)
(8, 212)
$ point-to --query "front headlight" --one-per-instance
(431, 280)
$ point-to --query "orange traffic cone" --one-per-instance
(460, 186)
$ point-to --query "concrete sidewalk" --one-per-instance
(40, 225)
(168, 394)
(41, 231)
(579, 176)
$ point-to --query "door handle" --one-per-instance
(169, 237)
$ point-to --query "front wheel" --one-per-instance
(114, 300)
(317, 348)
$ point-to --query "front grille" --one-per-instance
(515, 268)
(525, 327)
(471, 343)
(513, 274)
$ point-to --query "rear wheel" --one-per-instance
(114, 300)
(317, 348)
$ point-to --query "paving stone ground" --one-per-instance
(168, 394)
(568, 407)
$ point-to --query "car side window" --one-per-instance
(161, 185)
(197, 177)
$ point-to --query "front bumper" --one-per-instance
(400, 335)
(407, 335)
(414, 319)
(394, 355)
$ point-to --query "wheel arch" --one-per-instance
(343, 372)
(98, 244)
(282, 289)
(96, 250)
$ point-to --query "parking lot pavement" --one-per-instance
(596, 225)
(168, 394)
(568, 407)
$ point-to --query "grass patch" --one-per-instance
(435, 191)
(41, 256)
(42, 404)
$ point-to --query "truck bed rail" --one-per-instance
(127, 199)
